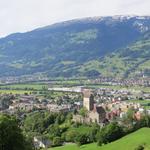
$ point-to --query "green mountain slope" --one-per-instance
(76, 48)
(134, 60)
(129, 142)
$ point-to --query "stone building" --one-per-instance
(88, 100)
(95, 114)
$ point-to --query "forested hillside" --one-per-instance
(96, 46)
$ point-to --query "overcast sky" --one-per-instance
(25, 15)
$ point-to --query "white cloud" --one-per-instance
(24, 15)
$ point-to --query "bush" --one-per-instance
(81, 139)
(70, 136)
(110, 133)
(57, 141)
(140, 147)
(100, 142)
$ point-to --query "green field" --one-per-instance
(118, 87)
(22, 88)
(144, 103)
(15, 91)
(129, 142)
(81, 129)
(140, 101)
(32, 86)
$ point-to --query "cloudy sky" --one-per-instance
(25, 15)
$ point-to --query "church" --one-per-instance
(95, 114)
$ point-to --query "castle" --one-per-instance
(95, 114)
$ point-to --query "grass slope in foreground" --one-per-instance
(129, 142)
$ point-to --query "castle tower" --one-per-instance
(88, 100)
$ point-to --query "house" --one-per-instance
(40, 142)
(137, 115)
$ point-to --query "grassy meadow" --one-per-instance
(129, 142)
(38, 86)
(144, 103)
(22, 88)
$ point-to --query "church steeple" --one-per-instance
(88, 100)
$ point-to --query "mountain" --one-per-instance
(109, 46)
(130, 61)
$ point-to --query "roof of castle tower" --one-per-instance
(87, 93)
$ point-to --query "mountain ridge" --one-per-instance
(96, 18)
(63, 49)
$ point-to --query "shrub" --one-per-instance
(81, 139)
(57, 141)
(140, 147)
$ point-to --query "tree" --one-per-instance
(60, 118)
(128, 120)
(11, 137)
(81, 139)
(110, 133)
(83, 112)
(130, 114)
(57, 141)
(71, 135)
(5, 101)
(54, 131)
(143, 122)
(39, 121)
(92, 133)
